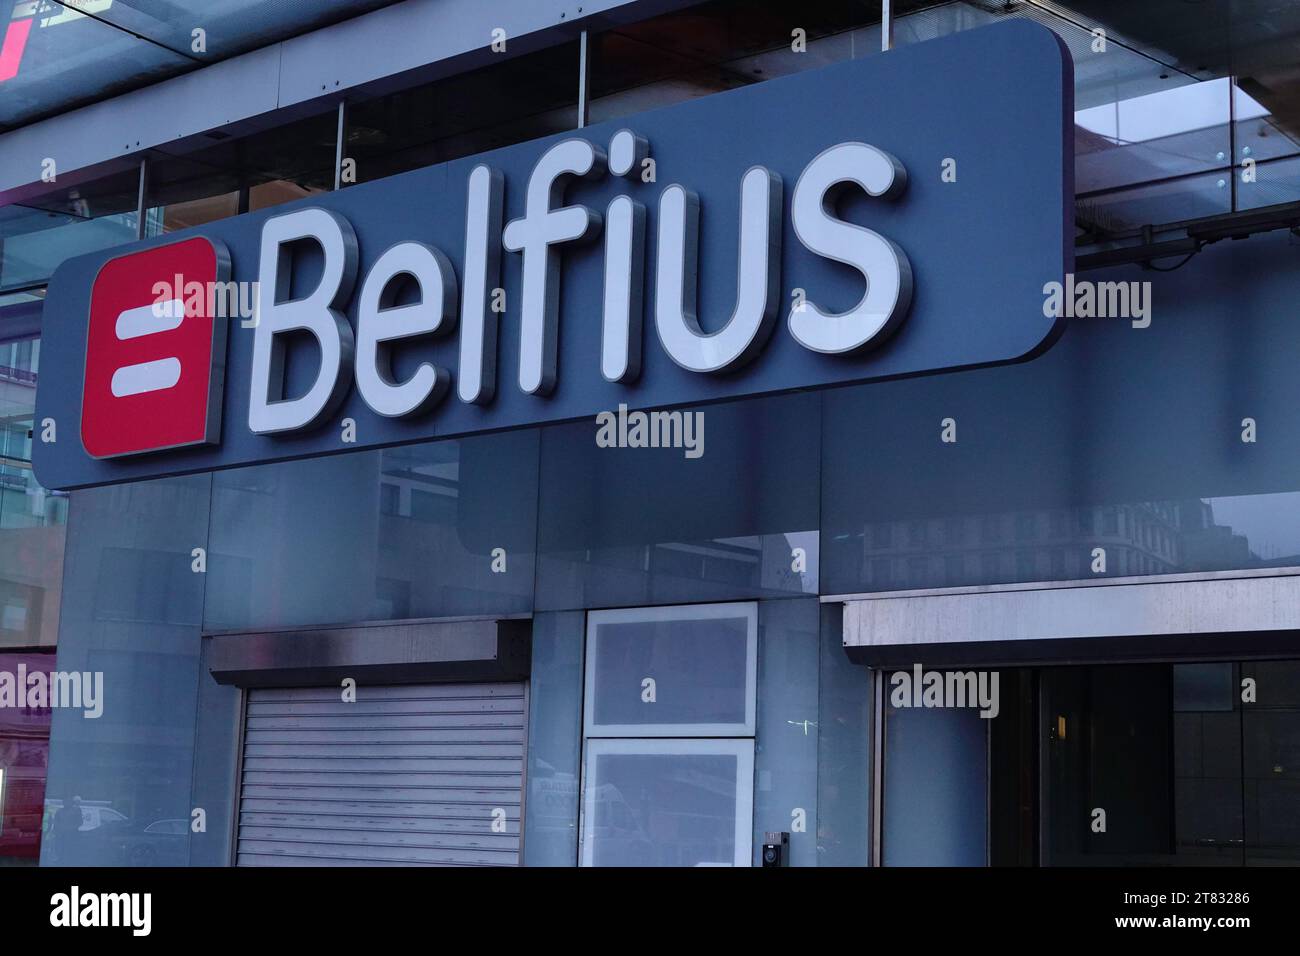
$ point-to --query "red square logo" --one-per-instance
(155, 353)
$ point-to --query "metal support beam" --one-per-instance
(1189, 236)
(886, 25)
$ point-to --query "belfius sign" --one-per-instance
(893, 216)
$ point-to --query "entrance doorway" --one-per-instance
(1108, 765)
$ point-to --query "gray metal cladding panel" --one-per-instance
(404, 776)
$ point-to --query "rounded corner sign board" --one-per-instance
(892, 216)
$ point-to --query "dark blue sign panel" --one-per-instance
(888, 217)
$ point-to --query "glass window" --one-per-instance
(137, 626)
(236, 175)
(24, 754)
(668, 803)
(519, 98)
(685, 673)
(41, 232)
(712, 47)
(672, 671)
(32, 520)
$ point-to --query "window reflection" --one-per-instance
(24, 753)
(520, 98)
(31, 519)
(39, 233)
(1153, 537)
(625, 526)
(236, 175)
(137, 626)
(406, 532)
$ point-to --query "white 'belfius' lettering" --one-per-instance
(380, 321)
(384, 317)
(757, 284)
(318, 314)
(542, 227)
(881, 262)
(484, 208)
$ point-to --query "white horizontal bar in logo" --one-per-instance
(146, 377)
(147, 319)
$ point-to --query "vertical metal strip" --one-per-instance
(338, 144)
(141, 197)
(523, 777)
(876, 709)
(238, 802)
(886, 25)
(583, 77)
(1232, 143)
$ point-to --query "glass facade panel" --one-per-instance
(521, 98)
(242, 174)
(32, 520)
(844, 743)
(1160, 485)
(24, 755)
(131, 628)
(712, 47)
(631, 526)
(58, 57)
(232, 26)
(554, 739)
(935, 769)
(431, 530)
(61, 55)
(39, 233)
(789, 728)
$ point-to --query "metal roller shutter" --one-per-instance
(404, 776)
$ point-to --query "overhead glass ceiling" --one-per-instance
(57, 56)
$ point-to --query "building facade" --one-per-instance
(521, 646)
